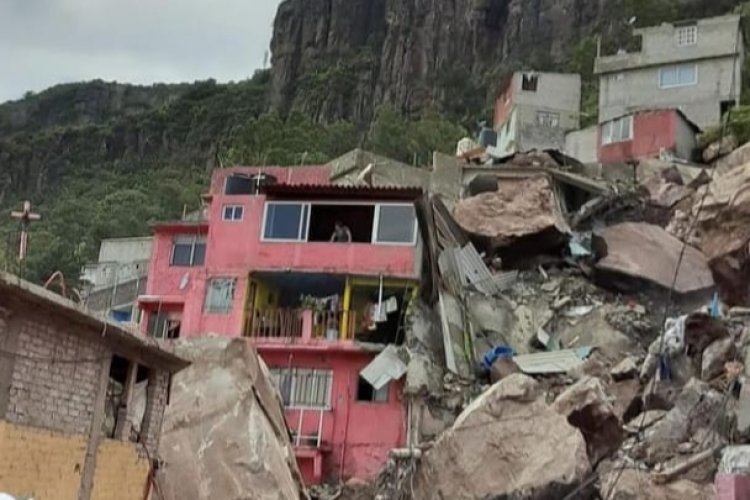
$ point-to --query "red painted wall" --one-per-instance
(359, 433)
(652, 132)
(234, 249)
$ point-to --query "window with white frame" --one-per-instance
(304, 387)
(682, 75)
(619, 130)
(686, 35)
(383, 223)
(285, 221)
(220, 295)
(395, 224)
(233, 212)
(188, 251)
(548, 119)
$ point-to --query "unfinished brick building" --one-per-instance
(81, 400)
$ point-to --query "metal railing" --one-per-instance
(274, 323)
(308, 440)
(292, 323)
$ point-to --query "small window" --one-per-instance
(162, 326)
(285, 221)
(529, 82)
(687, 35)
(678, 76)
(548, 119)
(220, 295)
(303, 387)
(233, 212)
(617, 77)
(366, 392)
(395, 224)
(619, 130)
(188, 251)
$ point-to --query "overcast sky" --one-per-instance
(44, 42)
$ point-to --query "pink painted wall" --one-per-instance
(234, 249)
(652, 131)
(360, 433)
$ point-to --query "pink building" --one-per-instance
(647, 134)
(262, 265)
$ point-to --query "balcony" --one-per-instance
(321, 308)
(290, 324)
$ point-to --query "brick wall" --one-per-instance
(121, 473)
(55, 396)
(39, 463)
(156, 402)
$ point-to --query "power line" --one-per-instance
(691, 227)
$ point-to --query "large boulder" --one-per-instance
(647, 252)
(224, 433)
(724, 231)
(695, 409)
(588, 407)
(507, 444)
(524, 213)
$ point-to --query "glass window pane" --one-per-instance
(199, 255)
(687, 74)
(181, 254)
(396, 224)
(238, 212)
(668, 77)
(283, 221)
(228, 213)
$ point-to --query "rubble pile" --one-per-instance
(608, 354)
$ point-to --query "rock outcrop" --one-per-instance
(341, 58)
(224, 434)
(508, 443)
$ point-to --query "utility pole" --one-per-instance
(26, 217)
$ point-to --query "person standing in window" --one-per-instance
(341, 233)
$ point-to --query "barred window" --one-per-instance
(304, 387)
(220, 295)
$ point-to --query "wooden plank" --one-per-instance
(95, 432)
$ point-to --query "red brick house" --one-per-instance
(647, 134)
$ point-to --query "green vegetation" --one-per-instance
(108, 170)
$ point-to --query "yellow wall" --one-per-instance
(48, 465)
(262, 294)
(121, 473)
(38, 463)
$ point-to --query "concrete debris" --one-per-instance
(715, 356)
(695, 409)
(719, 148)
(632, 484)
(625, 369)
(644, 421)
(587, 406)
(542, 455)
(624, 246)
(224, 433)
(671, 344)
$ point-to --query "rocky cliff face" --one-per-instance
(341, 58)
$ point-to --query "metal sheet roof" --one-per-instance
(551, 362)
(388, 365)
(341, 191)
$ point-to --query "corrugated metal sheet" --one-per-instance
(551, 362)
(388, 365)
(475, 271)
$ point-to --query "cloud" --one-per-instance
(44, 42)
